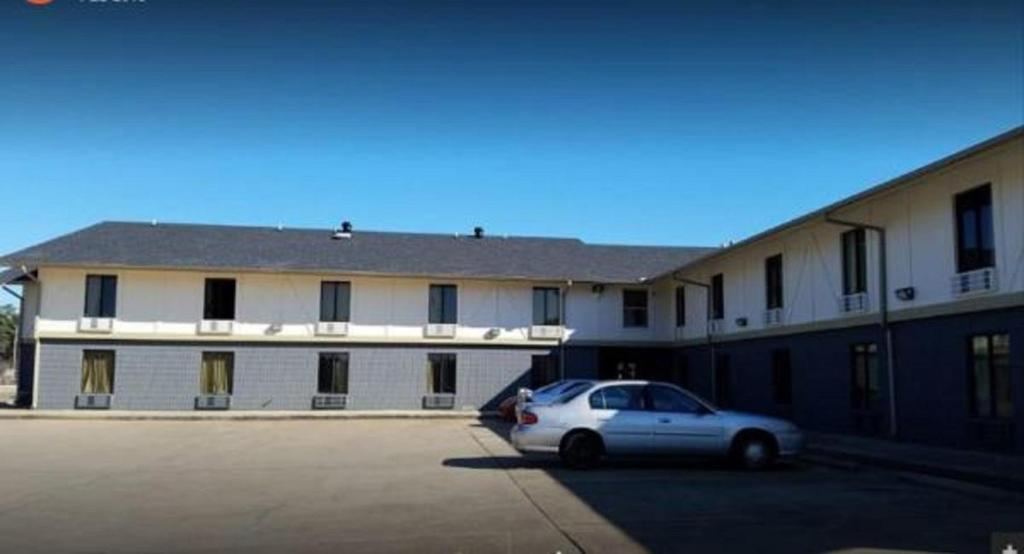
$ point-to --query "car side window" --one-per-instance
(623, 397)
(665, 399)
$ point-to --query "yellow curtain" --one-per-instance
(97, 372)
(216, 375)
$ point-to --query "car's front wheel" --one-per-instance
(581, 450)
(754, 451)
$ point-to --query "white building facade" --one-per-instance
(896, 311)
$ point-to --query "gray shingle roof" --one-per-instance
(216, 247)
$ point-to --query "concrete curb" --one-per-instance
(845, 459)
(333, 415)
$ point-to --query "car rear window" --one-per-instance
(571, 391)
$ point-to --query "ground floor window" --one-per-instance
(723, 381)
(990, 376)
(681, 370)
(782, 377)
(441, 373)
(332, 377)
(864, 366)
(544, 369)
(98, 372)
(216, 376)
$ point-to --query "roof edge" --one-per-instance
(883, 187)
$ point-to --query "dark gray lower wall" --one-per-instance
(932, 377)
(26, 371)
(162, 376)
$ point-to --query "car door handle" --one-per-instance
(664, 420)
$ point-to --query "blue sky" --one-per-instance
(626, 122)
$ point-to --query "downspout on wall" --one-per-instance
(883, 309)
(707, 320)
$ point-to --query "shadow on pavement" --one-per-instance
(673, 505)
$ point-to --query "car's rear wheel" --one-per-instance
(581, 450)
(754, 451)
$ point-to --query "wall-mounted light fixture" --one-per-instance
(741, 322)
(597, 288)
(906, 293)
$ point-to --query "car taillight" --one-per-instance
(527, 418)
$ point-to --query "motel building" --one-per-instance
(898, 311)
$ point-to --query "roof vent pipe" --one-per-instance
(478, 232)
(343, 232)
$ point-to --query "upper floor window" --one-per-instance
(634, 308)
(975, 246)
(718, 296)
(98, 372)
(444, 304)
(100, 296)
(219, 302)
(680, 306)
(864, 364)
(991, 394)
(335, 298)
(855, 264)
(547, 309)
(773, 282)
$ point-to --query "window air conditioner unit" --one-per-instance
(974, 282)
(216, 327)
(773, 317)
(96, 324)
(546, 331)
(439, 401)
(854, 303)
(93, 401)
(440, 330)
(332, 328)
(213, 402)
(330, 401)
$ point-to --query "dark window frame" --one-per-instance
(854, 261)
(216, 307)
(773, 286)
(443, 304)
(329, 385)
(635, 315)
(442, 373)
(547, 306)
(100, 296)
(865, 394)
(975, 204)
(717, 296)
(230, 356)
(782, 376)
(723, 380)
(680, 304)
(86, 353)
(544, 369)
(335, 301)
(993, 408)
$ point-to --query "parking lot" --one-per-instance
(437, 486)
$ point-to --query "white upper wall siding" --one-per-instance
(921, 235)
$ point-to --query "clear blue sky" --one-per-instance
(626, 122)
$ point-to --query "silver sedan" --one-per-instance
(612, 418)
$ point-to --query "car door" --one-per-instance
(682, 424)
(621, 418)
